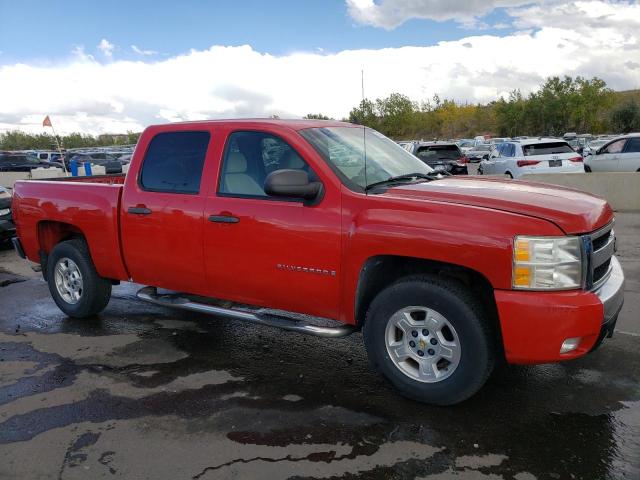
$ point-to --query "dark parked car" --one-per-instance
(20, 162)
(480, 152)
(441, 156)
(7, 228)
(110, 163)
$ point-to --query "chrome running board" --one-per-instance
(257, 315)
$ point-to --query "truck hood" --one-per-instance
(571, 210)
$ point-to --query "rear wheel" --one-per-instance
(429, 338)
(74, 284)
(587, 168)
(508, 174)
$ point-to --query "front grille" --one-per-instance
(603, 243)
(600, 271)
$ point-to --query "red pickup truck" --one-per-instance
(326, 228)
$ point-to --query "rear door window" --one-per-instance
(548, 148)
(633, 145)
(174, 162)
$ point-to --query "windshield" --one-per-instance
(483, 148)
(343, 148)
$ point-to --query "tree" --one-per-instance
(397, 115)
(625, 117)
(364, 114)
(316, 116)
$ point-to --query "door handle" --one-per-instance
(139, 210)
(223, 219)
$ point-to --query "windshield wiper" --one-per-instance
(400, 178)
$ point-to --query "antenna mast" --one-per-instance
(364, 131)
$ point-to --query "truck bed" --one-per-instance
(52, 210)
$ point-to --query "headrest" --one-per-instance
(292, 160)
(236, 163)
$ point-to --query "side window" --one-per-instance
(511, 150)
(174, 161)
(615, 147)
(251, 156)
(43, 156)
(633, 145)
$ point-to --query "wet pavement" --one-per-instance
(146, 392)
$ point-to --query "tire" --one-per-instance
(509, 175)
(587, 169)
(471, 330)
(82, 293)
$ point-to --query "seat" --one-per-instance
(236, 179)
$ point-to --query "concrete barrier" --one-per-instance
(7, 179)
(38, 173)
(622, 190)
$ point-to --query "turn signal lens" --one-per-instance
(522, 276)
(522, 250)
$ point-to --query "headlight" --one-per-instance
(547, 263)
(4, 211)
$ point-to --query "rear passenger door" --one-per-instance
(630, 158)
(161, 214)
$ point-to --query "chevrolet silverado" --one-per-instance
(326, 228)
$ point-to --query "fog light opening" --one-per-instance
(570, 344)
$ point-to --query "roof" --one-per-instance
(535, 140)
(431, 144)
(295, 124)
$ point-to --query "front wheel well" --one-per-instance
(379, 272)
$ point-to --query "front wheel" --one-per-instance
(429, 337)
(74, 284)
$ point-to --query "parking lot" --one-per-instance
(108, 397)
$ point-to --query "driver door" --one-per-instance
(271, 251)
(608, 159)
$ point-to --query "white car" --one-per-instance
(532, 155)
(621, 154)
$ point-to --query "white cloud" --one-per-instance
(84, 94)
(141, 51)
(106, 47)
(389, 14)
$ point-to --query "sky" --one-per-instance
(113, 66)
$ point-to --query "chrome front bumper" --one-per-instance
(611, 292)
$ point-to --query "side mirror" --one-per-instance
(293, 184)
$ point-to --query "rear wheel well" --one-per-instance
(381, 271)
(51, 233)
